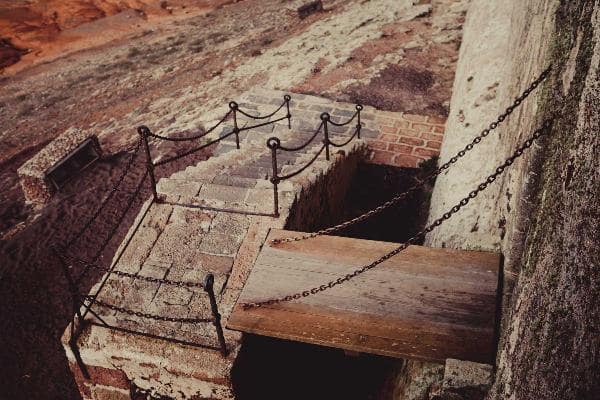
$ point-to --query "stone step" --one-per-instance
(231, 195)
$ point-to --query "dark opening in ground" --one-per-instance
(270, 368)
(373, 185)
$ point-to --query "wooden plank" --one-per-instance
(424, 303)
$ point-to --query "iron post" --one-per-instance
(273, 144)
(358, 123)
(325, 118)
(233, 106)
(287, 99)
(144, 131)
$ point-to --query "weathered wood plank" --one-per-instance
(424, 303)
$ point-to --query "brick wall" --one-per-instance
(405, 140)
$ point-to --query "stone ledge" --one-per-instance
(32, 174)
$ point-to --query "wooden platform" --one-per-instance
(425, 303)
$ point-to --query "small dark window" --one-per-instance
(74, 162)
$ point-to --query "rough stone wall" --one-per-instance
(320, 204)
(543, 214)
(32, 174)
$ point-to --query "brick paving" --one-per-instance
(214, 217)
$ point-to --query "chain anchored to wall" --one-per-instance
(431, 177)
(545, 128)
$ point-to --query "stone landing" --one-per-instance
(214, 217)
(394, 138)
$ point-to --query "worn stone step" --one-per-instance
(251, 172)
(237, 181)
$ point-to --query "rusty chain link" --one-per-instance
(146, 315)
(476, 140)
(447, 215)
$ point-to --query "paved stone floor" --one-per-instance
(213, 217)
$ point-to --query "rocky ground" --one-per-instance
(172, 72)
(387, 53)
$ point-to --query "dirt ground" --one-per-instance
(176, 73)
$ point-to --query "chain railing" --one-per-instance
(85, 304)
(482, 186)
(234, 110)
(274, 144)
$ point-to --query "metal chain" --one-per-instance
(308, 164)
(190, 138)
(107, 199)
(344, 123)
(63, 252)
(244, 113)
(146, 315)
(194, 150)
(128, 206)
(334, 144)
(447, 215)
(395, 200)
(277, 142)
(182, 284)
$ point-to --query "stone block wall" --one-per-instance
(321, 204)
(541, 214)
(32, 174)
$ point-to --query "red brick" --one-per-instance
(436, 120)
(108, 393)
(389, 129)
(402, 124)
(82, 384)
(376, 144)
(415, 118)
(426, 152)
(381, 157)
(388, 138)
(108, 377)
(422, 127)
(384, 121)
(411, 140)
(432, 144)
(404, 160)
(439, 129)
(409, 133)
(431, 136)
(400, 148)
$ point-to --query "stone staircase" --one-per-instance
(213, 218)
